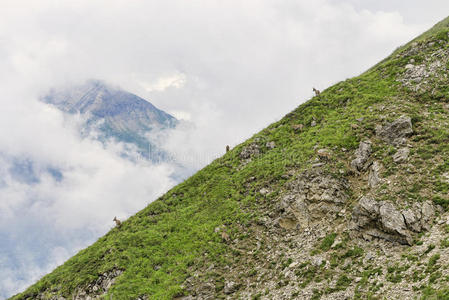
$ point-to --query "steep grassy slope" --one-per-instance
(285, 215)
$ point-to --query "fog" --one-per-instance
(225, 68)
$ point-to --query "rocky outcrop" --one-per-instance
(374, 175)
(313, 196)
(395, 133)
(445, 177)
(95, 290)
(362, 154)
(230, 287)
(418, 77)
(99, 287)
(414, 74)
(383, 220)
(401, 155)
(270, 145)
(250, 151)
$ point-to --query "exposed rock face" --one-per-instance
(374, 175)
(264, 191)
(230, 287)
(99, 287)
(418, 76)
(249, 151)
(94, 290)
(415, 73)
(314, 196)
(395, 133)
(383, 220)
(412, 219)
(401, 155)
(362, 154)
(427, 215)
(271, 145)
(419, 217)
(45, 297)
(445, 177)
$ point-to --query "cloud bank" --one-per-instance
(228, 68)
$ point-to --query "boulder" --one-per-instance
(392, 220)
(395, 133)
(250, 151)
(271, 145)
(412, 219)
(313, 196)
(362, 154)
(99, 287)
(288, 223)
(401, 155)
(384, 220)
(374, 175)
(445, 177)
(317, 261)
(380, 219)
(230, 287)
(427, 214)
(264, 191)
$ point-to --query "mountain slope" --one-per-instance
(114, 113)
(345, 197)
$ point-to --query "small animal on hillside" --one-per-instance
(354, 126)
(317, 92)
(227, 148)
(323, 154)
(225, 237)
(118, 223)
(298, 127)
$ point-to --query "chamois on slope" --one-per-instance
(118, 223)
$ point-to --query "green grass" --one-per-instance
(328, 241)
(173, 238)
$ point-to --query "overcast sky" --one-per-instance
(230, 68)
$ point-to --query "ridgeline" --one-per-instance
(345, 197)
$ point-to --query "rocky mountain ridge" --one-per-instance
(115, 114)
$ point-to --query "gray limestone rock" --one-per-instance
(401, 155)
(374, 175)
(395, 133)
(313, 196)
(249, 151)
(230, 287)
(271, 145)
(362, 154)
(384, 220)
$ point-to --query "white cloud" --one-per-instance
(97, 184)
(176, 80)
(228, 68)
(181, 115)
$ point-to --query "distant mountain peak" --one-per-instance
(116, 113)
